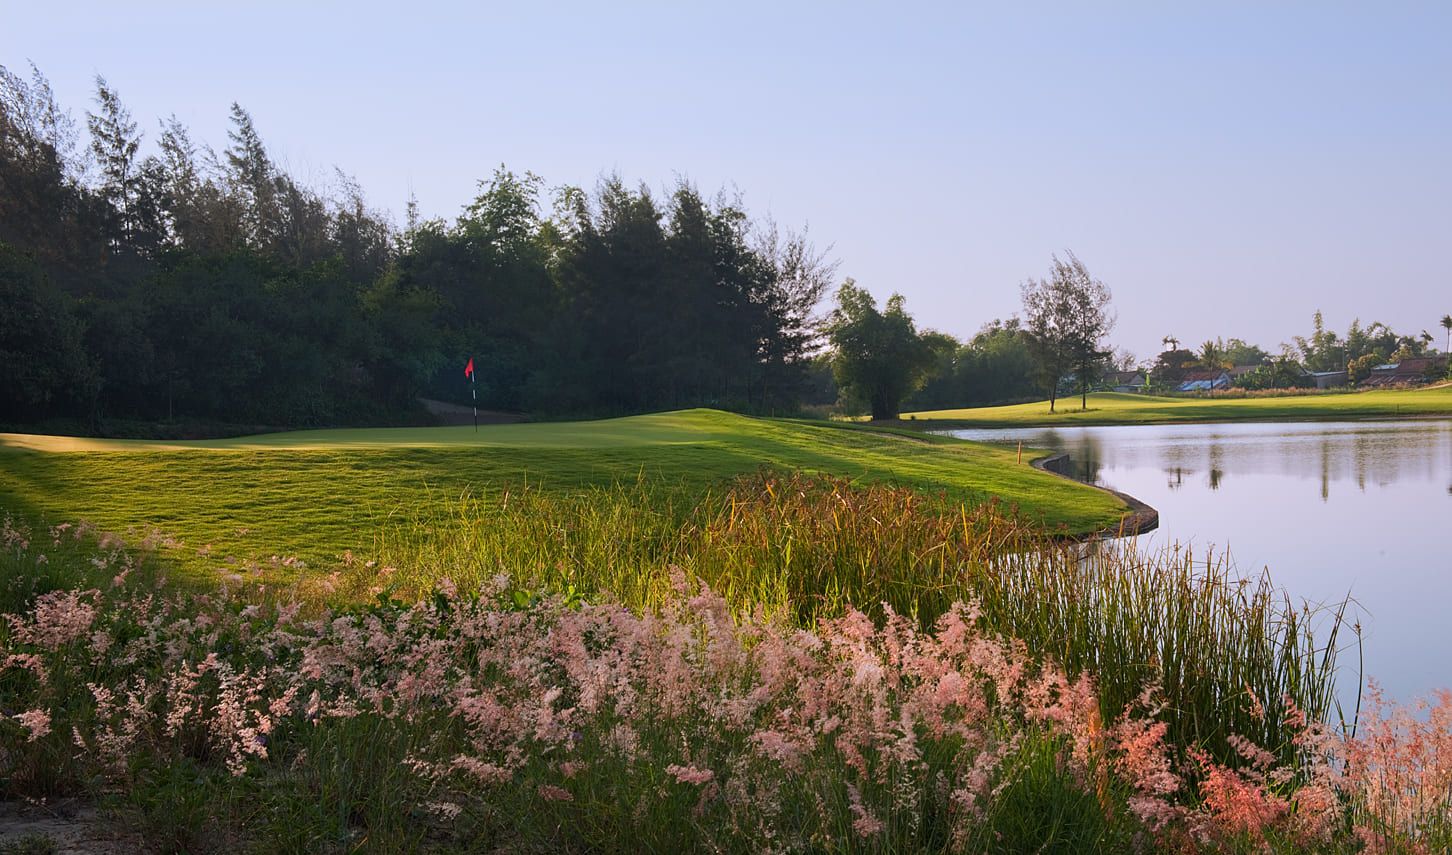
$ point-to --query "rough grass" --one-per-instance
(1109, 408)
(315, 494)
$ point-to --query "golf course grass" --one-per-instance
(1112, 408)
(314, 494)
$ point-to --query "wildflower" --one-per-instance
(690, 774)
(35, 721)
(487, 773)
(551, 793)
(58, 618)
(1237, 803)
(778, 747)
(865, 824)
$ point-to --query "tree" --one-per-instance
(250, 174)
(1323, 351)
(41, 358)
(1239, 352)
(1447, 325)
(1067, 321)
(1213, 355)
(1170, 367)
(880, 356)
(995, 366)
(115, 141)
(1360, 367)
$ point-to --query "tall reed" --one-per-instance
(1223, 650)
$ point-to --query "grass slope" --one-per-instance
(1116, 408)
(313, 494)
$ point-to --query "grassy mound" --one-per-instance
(313, 495)
(1106, 408)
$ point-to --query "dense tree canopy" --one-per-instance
(155, 280)
(880, 357)
(995, 366)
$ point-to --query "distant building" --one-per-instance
(1408, 372)
(1204, 381)
(1125, 381)
(1327, 379)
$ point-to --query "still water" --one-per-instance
(1329, 507)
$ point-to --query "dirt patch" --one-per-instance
(66, 827)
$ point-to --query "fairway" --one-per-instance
(314, 494)
(1109, 408)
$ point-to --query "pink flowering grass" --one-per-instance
(805, 549)
(480, 721)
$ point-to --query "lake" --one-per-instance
(1328, 507)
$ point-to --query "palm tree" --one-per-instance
(1212, 355)
(1173, 343)
(1447, 325)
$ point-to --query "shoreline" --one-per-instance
(1141, 519)
(929, 425)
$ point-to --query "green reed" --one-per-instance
(1220, 648)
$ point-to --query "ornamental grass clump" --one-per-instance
(472, 720)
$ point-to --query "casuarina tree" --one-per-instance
(1067, 318)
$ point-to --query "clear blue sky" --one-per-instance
(1226, 169)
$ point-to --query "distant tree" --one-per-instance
(1447, 325)
(1239, 352)
(1323, 351)
(1358, 343)
(250, 174)
(880, 356)
(1067, 319)
(996, 365)
(1408, 347)
(1360, 367)
(1213, 355)
(115, 141)
(1170, 367)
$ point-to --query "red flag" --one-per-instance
(469, 369)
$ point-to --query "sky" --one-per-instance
(1226, 169)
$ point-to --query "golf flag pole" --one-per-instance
(473, 390)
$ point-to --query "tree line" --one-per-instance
(149, 277)
(880, 360)
(881, 363)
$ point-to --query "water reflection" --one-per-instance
(1330, 508)
(1366, 454)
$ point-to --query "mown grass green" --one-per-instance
(1108, 408)
(316, 494)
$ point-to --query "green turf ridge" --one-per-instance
(314, 494)
(1114, 408)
